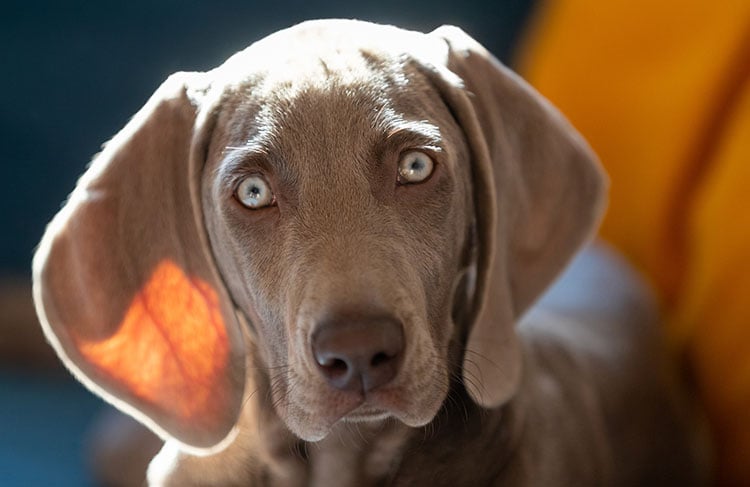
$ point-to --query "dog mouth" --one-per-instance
(312, 414)
(365, 407)
(366, 413)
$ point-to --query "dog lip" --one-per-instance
(367, 412)
(366, 409)
(375, 406)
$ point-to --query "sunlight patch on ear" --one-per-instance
(171, 348)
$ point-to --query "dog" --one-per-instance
(318, 263)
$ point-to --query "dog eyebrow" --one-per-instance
(393, 125)
(238, 160)
(249, 149)
(422, 133)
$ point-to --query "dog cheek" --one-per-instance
(426, 384)
(303, 422)
(428, 395)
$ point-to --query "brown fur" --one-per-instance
(572, 396)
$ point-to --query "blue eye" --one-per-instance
(414, 167)
(254, 193)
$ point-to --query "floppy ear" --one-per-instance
(125, 285)
(538, 195)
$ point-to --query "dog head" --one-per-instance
(377, 203)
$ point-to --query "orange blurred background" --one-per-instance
(662, 92)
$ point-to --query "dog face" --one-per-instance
(347, 187)
(344, 246)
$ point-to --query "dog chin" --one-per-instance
(364, 414)
(373, 416)
(311, 413)
(313, 427)
(308, 431)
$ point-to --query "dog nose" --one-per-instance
(358, 353)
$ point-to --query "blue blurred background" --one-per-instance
(73, 73)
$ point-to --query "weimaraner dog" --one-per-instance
(318, 263)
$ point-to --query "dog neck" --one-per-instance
(362, 454)
(452, 450)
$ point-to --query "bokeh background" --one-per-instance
(73, 73)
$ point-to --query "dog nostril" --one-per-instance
(334, 366)
(380, 358)
(338, 365)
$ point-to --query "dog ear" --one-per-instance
(538, 195)
(125, 285)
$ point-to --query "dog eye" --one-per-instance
(414, 167)
(254, 193)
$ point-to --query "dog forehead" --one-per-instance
(342, 100)
(350, 70)
(327, 92)
(313, 51)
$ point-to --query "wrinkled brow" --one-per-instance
(258, 151)
(418, 133)
(241, 160)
